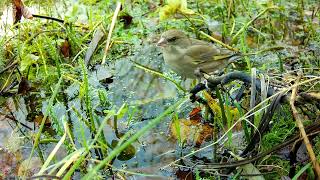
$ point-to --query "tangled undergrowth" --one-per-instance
(85, 92)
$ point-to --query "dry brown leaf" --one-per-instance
(38, 120)
(24, 86)
(192, 132)
(195, 114)
(65, 48)
(20, 10)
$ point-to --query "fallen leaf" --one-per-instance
(195, 114)
(24, 86)
(215, 107)
(191, 132)
(38, 120)
(20, 10)
(251, 169)
(65, 48)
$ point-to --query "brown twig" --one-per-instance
(303, 134)
(238, 163)
(9, 66)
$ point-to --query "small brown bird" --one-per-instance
(189, 57)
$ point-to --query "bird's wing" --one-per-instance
(199, 42)
(205, 53)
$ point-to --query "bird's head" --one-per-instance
(172, 38)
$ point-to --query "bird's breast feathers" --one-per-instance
(173, 53)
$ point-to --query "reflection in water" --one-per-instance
(149, 95)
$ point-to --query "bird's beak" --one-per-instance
(162, 42)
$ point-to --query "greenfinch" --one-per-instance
(190, 57)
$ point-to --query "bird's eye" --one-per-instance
(172, 39)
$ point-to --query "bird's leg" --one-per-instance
(199, 86)
(198, 72)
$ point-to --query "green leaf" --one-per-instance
(122, 111)
(27, 61)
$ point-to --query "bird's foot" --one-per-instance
(199, 73)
